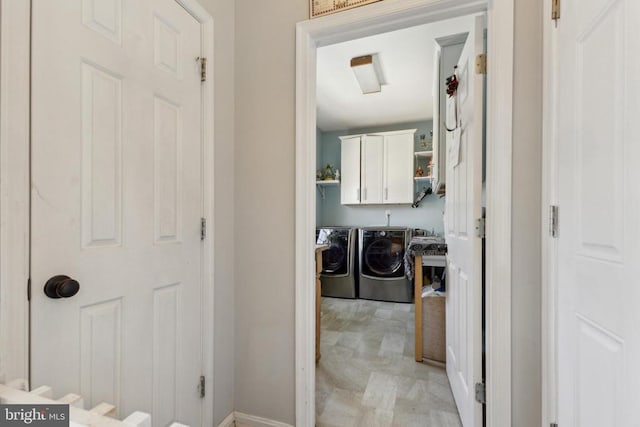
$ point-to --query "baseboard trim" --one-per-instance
(246, 420)
(229, 421)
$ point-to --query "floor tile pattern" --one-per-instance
(367, 376)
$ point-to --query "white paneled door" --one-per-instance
(116, 204)
(597, 106)
(464, 259)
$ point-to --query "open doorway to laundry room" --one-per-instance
(399, 162)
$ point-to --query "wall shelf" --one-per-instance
(323, 183)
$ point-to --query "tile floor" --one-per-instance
(367, 375)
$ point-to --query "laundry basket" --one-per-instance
(433, 326)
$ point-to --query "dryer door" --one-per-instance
(384, 257)
(335, 259)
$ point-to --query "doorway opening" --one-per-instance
(377, 19)
(382, 155)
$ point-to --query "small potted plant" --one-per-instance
(328, 173)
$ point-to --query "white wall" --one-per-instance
(264, 206)
(223, 12)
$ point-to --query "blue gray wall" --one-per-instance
(329, 211)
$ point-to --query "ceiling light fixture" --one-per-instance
(365, 68)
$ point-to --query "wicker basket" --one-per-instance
(433, 328)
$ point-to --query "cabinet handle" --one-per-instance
(386, 194)
(365, 194)
(358, 194)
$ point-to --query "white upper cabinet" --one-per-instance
(372, 164)
(398, 168)
(350, 164)
(377, 168)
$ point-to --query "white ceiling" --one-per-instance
(406, 58)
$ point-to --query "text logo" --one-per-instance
(34, 415)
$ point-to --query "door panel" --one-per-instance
(100, 352)
(464, 258)
(104, 17)
(598, 295)
(116, 204)
(167, 170)
(101, 157)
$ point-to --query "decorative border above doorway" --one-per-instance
(326, 7)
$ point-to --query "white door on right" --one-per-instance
(597, 107)
(463, 209)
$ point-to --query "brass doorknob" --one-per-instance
(61, 287)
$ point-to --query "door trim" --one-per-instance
(15, 32)
(15, 39)
(195, 9)
(549, 254)
(377, 18)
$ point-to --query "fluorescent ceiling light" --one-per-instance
(365, 70)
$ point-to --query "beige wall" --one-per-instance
(526, 292)
(265, 83)
(254, 71)
(223, 226)
(264, 205)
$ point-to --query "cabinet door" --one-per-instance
(350, 171)
(398, 168)
(372, 169)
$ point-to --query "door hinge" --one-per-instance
(481, 64)
(481, 393)
(481, 227)
(555, 11)
(553, 425)
(553, 221)
(203, 68)
(202, 387)
(203, 228)
(29, 289)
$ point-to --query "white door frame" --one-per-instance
(549, 244)
(15, 32)
(376, 18)
(15, 125)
